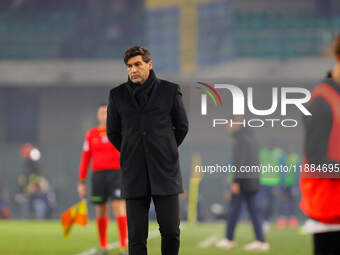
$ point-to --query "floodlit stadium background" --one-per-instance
(58, 60)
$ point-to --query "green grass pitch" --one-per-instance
(45, 238)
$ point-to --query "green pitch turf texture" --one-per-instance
(45, 238)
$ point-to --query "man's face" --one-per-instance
(138, 70)
(101, 115)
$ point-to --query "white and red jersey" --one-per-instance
(98, 148)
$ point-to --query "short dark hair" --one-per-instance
(336, 46)
(102, 105)
(137, 51)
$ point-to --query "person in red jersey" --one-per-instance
(320, 178)
(105, 180)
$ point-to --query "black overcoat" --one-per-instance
(148, 137)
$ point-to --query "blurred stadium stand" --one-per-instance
(103, 29)
(69, 29)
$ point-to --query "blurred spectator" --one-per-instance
(273, 156)
(5, 212)
(289, 192)
(34, 190)
(183, 207)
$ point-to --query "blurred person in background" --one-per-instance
(105, 180)
(289, 191)
(270, 181)
(321, 191)
(183, 207)
(34, 189)
(245, 187)
(5, 212)
(42, 197)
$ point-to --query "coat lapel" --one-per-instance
(133, 99)
(153, 93)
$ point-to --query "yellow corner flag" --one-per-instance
(76, 214)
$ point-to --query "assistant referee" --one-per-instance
(105, 180)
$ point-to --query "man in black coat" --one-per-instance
(146, 122)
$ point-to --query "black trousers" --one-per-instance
(327, 243)
(167, 212)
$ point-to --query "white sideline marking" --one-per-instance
(208, 242)
(114, 245)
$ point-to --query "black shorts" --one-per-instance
(105, 186)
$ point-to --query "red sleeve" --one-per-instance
(85, 158)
